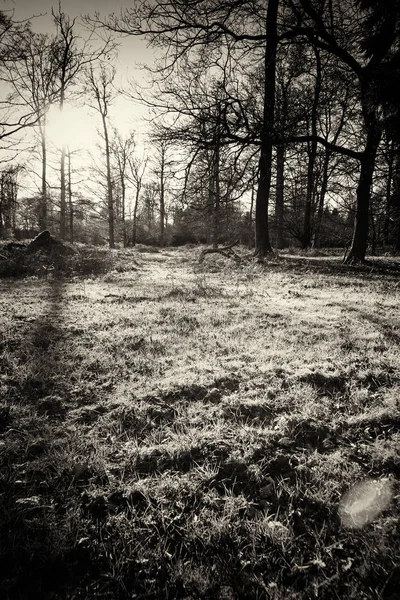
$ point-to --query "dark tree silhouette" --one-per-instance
(364, 44)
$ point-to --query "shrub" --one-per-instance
(61, 260)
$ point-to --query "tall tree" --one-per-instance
(73, 55)
(137, 167)
(263, 244)
(203, 116)
(68, 67)
(122, 149)
(33, 79)
(100, 86)
(209, 31)
(312, 154)
(163, 169)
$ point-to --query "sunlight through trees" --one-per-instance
(279, 111)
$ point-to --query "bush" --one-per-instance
(60, 260)
(181, 239)
(91, 261)
(14, 267)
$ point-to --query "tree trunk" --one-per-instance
(216, 181)
(321, 201)
(62, 195)
(397, 247)
(162, 198)
(216, 220)
(307, 231)
(359, 243)
(70, 205)
(307, 227)
(251, 236)
(216, 203)
(43, 197)
(123, 217)
(62, 167)
(15, 200)
(374, 235)
(251, 208)
(135, 211)
(279, 196)
(110, 197)
(390, 161)
(263, 244)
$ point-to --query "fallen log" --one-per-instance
(224, 251)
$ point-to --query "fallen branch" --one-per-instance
(225, 251)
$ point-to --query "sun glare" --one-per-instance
(72, 127)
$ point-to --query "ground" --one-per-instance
(170, 429)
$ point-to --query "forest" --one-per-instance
(276, 125)
(199, 301)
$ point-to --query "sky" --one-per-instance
(79, 126)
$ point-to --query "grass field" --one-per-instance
(176, 430)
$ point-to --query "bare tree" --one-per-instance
(204, 125)
(163, 169)
(69, 66)
(122, 149)
(15, 113)
(33, 79)
(100, 86)
(73, 55)
(208, 30)
(75, 177)
(137, 169)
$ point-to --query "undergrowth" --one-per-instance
(79, 260)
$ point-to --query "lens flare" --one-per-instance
(364, 502)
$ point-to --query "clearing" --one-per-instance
(176, 430)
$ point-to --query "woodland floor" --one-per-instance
(175, 430)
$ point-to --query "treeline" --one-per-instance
(276, 123)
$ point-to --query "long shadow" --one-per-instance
(31, 487)
(46, 379)
(387, 327)
(389, 269)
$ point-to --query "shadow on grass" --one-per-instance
(43, 384)
(36, 539)
(386, 268)
(387, 327)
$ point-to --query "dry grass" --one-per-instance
(175, 431)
